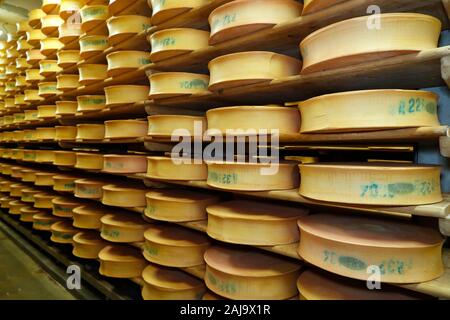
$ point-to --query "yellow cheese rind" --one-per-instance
(93, 16)
(361, 39)
(46, 134)
(238, 18)
(88, 217)
(46, 111)
(50, 24)
(118, 7)
(50, 6)
(371, 184)
(27, 213)
(166, 125)
(68, 32)
(22, 28)
(65, 158)
(123, 197)
(173, 84)
(33, 75)
(124, 164)
(43, 200)
(63, 207)
(68, 7)
(67, 82)
(64, 183)
(15, 206)
(166, 168)
(92, 45)
(169, 43)
(349, 245)
(369, 110)
(245, 68)
(125, 94)
(48, 67)
(165, 10)
(91, 103)
(253, 223)
(34, 17)
(121, 262)
(34, 37)
(118, 129)
(124, 27)
(34, 56)
(66, 107)
(125, 61)
(90, 161)
(91, 73)
(67, 58)
(5, 202)
(43, 221)
(48, 89)
(62, 232)
(23, 46)
(87, 244)
(89, 131)
(124, 228)
(89, 189)
(28, 195)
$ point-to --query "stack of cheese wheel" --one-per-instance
(239, 274)
(174, 84)
(123, 129)
(178, 205)
(170, 43)
(124, 164)
(238, 18)
(166, 168)
(371, 184)
(63, 232)
(125, 197)
(166, 10)
(369, 110)
(162, 283)
(88, 216)
(352, 246)
(354, 42)
(174, 246)
(253, 223)
(125, 27)
(168, 126)
(123, 227)
(87, 244)
(120, 261)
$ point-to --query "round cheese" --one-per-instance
(120, 261)
(43, 221)
(64, 183)
(123, 227)
(62, 232)
(371, 184)
(357, 246)
(89, 131)
(169, 43)
(68, 8)
(363, 39)
(16, 190)
(27, 213)
(90, 161)
(164, 126)
(22, 64)
(91, 103)
(120, 62)
(125, 94)
(34, 56)
(164, 10)
(18, 118)
(93, 16)
(23, 46)
(89, 189)
(12, 54)
(254, 223)
(118, 7)
(44, 179)
(47, 133)
(241, 274)
(22, 28)
(166, 168)
(15, 206)
(67, 58)
(43, 201)
(125, 27)
(16, 172)
(48, 89)
(46, 111)
(91, 73)
(64, 158)
(34, 37)
(33, 75)
(123, 197)
(67, 82)
(87, 244)
(122, 129)
(5, 186)
(170, 284)
(29, 175)
(124, 164)
(88, 216)
(11, 39)
(5, 202)
(93, 45)
(48, 67)
(21, 82)
(69, 33)
(252, 176)
(50, 24)
(50, 6)
(369, 110)
(12, 71)
(238, 18)
(65, 133)
(34, 17)
(178, 205)
(63, 207)
(17, 155)
(174, 246)
(66, 108)
(28, 195)
(173, 84)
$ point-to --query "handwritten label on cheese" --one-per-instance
(111, 233)
(391, 190)
(221, 285)
(414, 106)
(223, 178)
(93, 12)
(151, 250)
(194, 84)
(223, 21)
(164, 42)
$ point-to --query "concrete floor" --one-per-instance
(22, 279)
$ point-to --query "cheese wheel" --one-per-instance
(123, 227)
(50, 24)
(68, 8)
(93, 16)
(5, 202)
(65, 133)
(18, 155)
(121, 129)
(252, 176)
(69, 33)
(252, 119)
(124, 164)
(34, 56)
(22, 28)
(87, 244)
(48, 89)
(166, 168)
(12, 54)
(22, 64)
(123, 197)
(91, 103)
(125, 94)
(242, 274)
(27, 213)
(11, 70)
(174, 246)
(369, 110)
(64, 158)
(48, 67)
(120, 62)
(10, 86)
(50, 6)
(169, 43)
(34, 17)
(67, 82)
(89, 189)
(353, 245)
(62, 232)
(91, 73)
(46, 134)
(120, 261)
(21, 82)
(164, 126)
(15, 206)
(46, 111)
(169, 284)
(63, 207)
(371, 184)
(92, 45)
(65, 108)
(11, 38)
(44, 179)
(18, 118)
(238, 18)
(43, 221)
(117, 7)
(5, 186)
(64, 183)
(88, 216)
(33, 75)
(16, 190)
(16, 172)
(253, 223)
(361, 39)
(67, 58)
(90, 161)
(88, 131)
(125, 27)
(164, 10)
(28, 195)
(43, 201)
(34, 37)
(23, 46)
(29, 175)
(173, 84)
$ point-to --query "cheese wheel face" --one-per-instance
(66, 107)
(351, 246)
(64, 183)
(353, 42)
(172, 84)
(91, 73)
(92, 16)
(69, 32)
(68, 58)
(371, 184)
(50, 24)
